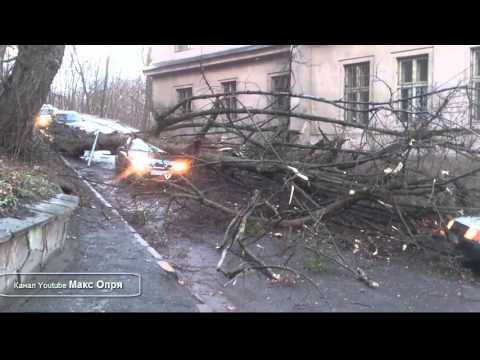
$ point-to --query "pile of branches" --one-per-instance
(381, 172)
(398, 169)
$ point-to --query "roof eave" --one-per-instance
(215, 59)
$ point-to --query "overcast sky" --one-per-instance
(126, 59)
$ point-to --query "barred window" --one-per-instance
(476, 62)
(179, 48)
(413, 83)
(281, 83)
(183, 94)
(357, 92)
(475, 105)
(230, 101)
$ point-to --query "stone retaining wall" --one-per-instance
(27, 244)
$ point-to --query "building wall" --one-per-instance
(250, 75)
(319, 71)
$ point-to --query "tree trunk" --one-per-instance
(74, 142)
(25, 90)
(105, 85)
(3, 48)
(79, 69)
(148, 94)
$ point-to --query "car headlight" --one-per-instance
(472, 234)
(180, 167)
(140, 161)
(450, 224)
(42, 121)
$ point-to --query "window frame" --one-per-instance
(358, 90)
(415, 87)
(229, 101)
(475, 86)
(187, 107)
(181, 48)
(277, 100)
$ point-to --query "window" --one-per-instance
(183, 94)
(229, 101)
(179, 48)
(357, 91)
(475, 106)
(281, 83)
(413, 83)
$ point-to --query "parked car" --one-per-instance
(137, 158)
(464, 232)
(67, 117)
(48, 109)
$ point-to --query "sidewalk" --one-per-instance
(99, 241)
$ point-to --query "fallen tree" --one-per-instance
(392, 177)
(74, 141)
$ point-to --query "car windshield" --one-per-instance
(74, 117)
(68, 117)
(140, 145)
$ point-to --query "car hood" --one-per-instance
(470, 221)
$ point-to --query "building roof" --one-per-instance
(162, 66)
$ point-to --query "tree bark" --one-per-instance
(74, 142)
(25, 90)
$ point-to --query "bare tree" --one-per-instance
(105, 86)
(148, 93)
(79, 67)
(95, 88)
(3, 49)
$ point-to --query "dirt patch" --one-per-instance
(22, 184)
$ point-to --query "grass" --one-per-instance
(20, 183)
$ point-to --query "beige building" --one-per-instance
(176, 71)
(356, 73)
